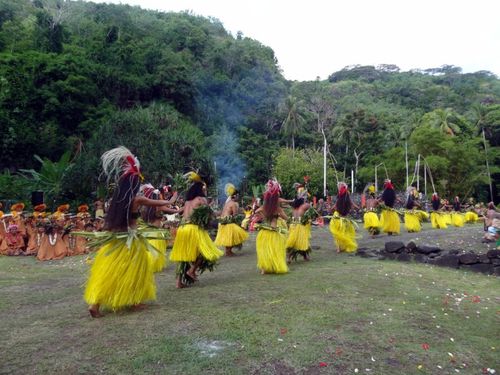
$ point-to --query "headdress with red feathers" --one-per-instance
(120, 162)
(388, 184)
(343, 189)
(272, 188)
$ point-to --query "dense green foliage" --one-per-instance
(182, 93)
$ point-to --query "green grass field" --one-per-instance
(337, 314)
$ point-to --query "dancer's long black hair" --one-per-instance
(148, 214)
(410, 202)
(436, 202)
(344, 204)
(389, 197)
(118, 215)
(297, 202)
(196, 190)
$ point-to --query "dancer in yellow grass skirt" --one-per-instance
(438, 219)
(230, 234)
(389, 218)
(457, 217)
(298, 241)
(193, 248)
(122, 272)
(341, 226)
(371, 221)
(413, 216)
(153, 216)
(271, 239)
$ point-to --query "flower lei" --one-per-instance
(52, 240)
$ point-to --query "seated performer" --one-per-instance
(13, 242)
(193, 248)
(229, 233)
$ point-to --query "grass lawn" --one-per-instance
(337, 314)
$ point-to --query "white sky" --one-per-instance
(318, 37)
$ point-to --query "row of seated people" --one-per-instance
(45, 236)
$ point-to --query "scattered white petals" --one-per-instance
(450, 354)
(452, 339)
(356, 370)
(439, 367)
(373, 359)
(280, 340)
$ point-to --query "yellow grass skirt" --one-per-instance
(298, 237)
(271, 251)
(438, 220)
(160, 258)
(371, 220)
(413, 219)
(471, 217)
(447, 218)
(390, 221)
(121, 275)
(457, 219)
(192, 241)
(229, 235)
(344, 234)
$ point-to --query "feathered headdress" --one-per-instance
(147, 190)
(272, 188)
(343, 189)
(63, 208)
(83, 208)
(388, 184)
(17, 207)
(120, 162)
(40, 207)
(193, 177)
(230, 190)
(435, 197)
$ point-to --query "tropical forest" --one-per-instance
(182, 93)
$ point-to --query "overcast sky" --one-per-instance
(315, 38)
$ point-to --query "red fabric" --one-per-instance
(388, 185)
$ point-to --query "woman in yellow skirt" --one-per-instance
(271, 239)
(298, 241)
(193, 248)
(457, 217)
(342, 227)
(122, 271)
(389, 217)
(413, 216)
(229, 233)
(371, 221)
(438, 219)
(154, 216)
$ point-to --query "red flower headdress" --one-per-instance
(343, 189)
(388, 184)
(272, 188)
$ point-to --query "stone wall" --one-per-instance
(488, 263)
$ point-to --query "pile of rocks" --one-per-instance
(488, 263)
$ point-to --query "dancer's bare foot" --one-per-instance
(262, 272)
(338, 251)
(229, 253)
(192, 275)
(94, 311)
(139, 307)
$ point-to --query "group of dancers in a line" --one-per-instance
(130, 250)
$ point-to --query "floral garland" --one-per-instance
(52, 240)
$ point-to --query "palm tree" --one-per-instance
(443, 119)
(294, 119)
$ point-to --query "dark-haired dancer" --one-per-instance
(230, 234)
(122, 272)
(299, 236)
(193, 248)
(341, 227)
(153, 215)
(389, 218)
(271, 240)
(370, 217)
(457, 217)
(413, 216)
(438, 219)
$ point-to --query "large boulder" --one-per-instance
(411, 247)
(493, 254)
(426, 249)
(420, 258)
(483, 258)
(403, 257)
(468, 258)
(445, 260)
(478, 267)
(394, 247)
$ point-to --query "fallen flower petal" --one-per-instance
(323, 364)
(425, 346)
